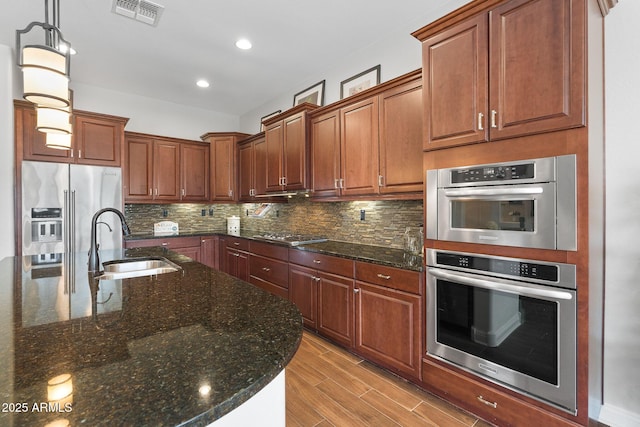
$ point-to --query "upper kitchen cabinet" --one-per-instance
(286, 137)
(252, 165)
(223, 187)
(516, 69)
(159, 169)
(96, 139)
(370, 144)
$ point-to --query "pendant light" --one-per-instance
(45, 71)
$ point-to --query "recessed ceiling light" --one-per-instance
(202, 83)
(243, 44)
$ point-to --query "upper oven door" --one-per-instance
(521, 215)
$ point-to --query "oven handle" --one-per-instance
(499, 285)
(517, 191)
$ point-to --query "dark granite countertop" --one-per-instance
(137, 350)
(391, 257)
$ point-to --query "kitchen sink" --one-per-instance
(136, 267)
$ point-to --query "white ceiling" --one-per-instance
(292, 40)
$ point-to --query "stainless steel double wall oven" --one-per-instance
(509, 320)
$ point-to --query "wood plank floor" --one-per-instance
(327, 386)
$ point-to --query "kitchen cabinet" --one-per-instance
(235, 257)
(165, 169)
(286, 138)
(187, 246)
(269, 268)
(96, 139)
(223, 165)
(370, 144)
(252, 162)
(388, 312)
(209, 251)
(322, 287)
(517, 69)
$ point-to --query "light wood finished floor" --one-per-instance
(327, 386)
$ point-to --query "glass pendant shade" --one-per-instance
(53, 120)
(59, 141)
(44, 73)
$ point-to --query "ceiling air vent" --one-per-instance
(140, 10)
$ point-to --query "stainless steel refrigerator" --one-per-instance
(58, 203)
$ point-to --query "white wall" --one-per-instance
(148, 115)
(622, 290)
(7, 233)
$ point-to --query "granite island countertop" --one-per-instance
(137, 351)
(391, 257)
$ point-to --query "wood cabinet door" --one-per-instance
(455, 85)
(325, 154)
(537, 66)
(260, 166)
(191, 252)
(359, 147)
(194, 170)
(401, 139)
(209, 251)
(245, 171)
(138, 169)
(388, 327)
(274, 135)
(34, 142)
(335, 308)
(294, 150)
(166, 170)
(223, 166)
(97, 140)
(303, 292)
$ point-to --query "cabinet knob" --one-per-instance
(384, 276)
(316, 261)
(356, 290)
(266, 269)
(236, 243)
(165, 243)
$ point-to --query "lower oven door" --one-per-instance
(520, 335)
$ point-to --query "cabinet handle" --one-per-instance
(380, 181)
(356, 290)
(230, 193)
(165, 244)
(150, 192)
(79, 154)
(156, 191)
(313, 277)
(494, 405)
(236, 243)
(236, 254)
(266, 269)
(317, 279)
(335, 183)
(183, 192)
(316, 261)
(494, 113)
(384, 276)
(341, 182)
(480, 121)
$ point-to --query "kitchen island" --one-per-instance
(180, 348)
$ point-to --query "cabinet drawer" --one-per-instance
(330, 264)
(236, 243)
(489, 403)
(269, 250)
(167, 242)
(396, 278)
(269, 270)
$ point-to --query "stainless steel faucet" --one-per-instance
(94, 259)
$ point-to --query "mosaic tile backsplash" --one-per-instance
(384, 221)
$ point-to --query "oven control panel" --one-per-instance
(488, 173)
(504, 267)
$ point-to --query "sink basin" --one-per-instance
(136, 267)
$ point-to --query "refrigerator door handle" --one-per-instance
(72, 243)
(66, 223)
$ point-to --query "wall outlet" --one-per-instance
(165, 213)
(203, 212)
(210, 211)
(361, 214)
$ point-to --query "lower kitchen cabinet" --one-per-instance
(269, 267)
(335, 308)
(209, 251)
(235, 257)
(303, 292)
(388, 312)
